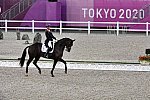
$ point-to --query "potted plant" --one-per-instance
(144, 59)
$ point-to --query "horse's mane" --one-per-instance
(63, 40)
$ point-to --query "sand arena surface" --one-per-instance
(76, 85)
(97, 47)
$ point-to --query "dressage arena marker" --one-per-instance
(89, 66)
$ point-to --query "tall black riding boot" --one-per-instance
(48, 50)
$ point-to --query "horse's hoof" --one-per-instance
(26, 75)
(65, 72)
(53, 76)
(39, 72)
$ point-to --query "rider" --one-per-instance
(49, 37)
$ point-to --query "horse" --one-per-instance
(34, 52)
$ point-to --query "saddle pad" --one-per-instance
(44, 48)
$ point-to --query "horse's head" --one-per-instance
(69, 44)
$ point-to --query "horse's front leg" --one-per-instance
(55, 62)
(65, 64)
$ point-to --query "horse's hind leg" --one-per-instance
(65, 64)
(28, 63)
(35, 63)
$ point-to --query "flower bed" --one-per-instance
(144, 59)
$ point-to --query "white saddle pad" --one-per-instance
(44, 48)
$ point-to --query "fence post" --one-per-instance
(32, 26)
(117, 28)
(60, 29)
(5, 25)
(89, 26)
(146, 28)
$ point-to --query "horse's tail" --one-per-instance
(22, 59)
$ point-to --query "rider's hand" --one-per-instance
(55, 40)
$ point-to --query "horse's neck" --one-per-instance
(60, 47)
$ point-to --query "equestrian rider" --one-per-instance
(49, 37)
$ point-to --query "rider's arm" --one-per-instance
(53, 36)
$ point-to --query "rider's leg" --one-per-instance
(46, 44)
(48, 50)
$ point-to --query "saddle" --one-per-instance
(44, 48)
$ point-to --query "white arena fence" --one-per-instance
(111, 26)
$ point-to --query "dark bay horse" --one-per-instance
(35, 53)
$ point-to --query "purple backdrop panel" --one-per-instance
(75, 12)
(53, 11)
(63, 10)
(36, 12)
(43, 10)
(122, 11)
(85, 10)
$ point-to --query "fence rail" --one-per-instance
(111, 26)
